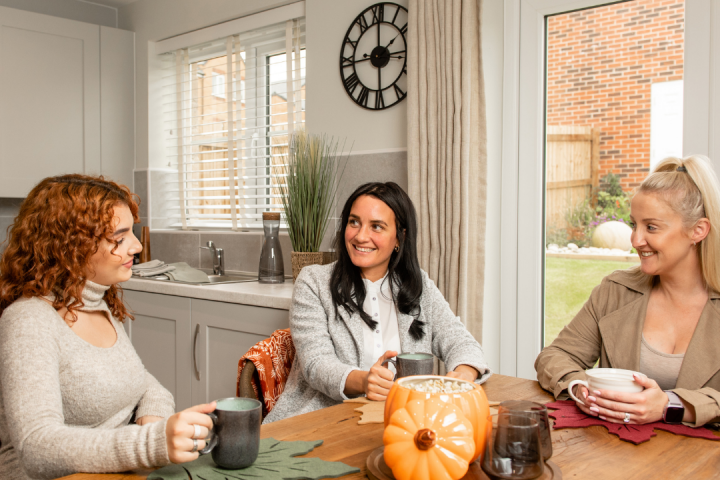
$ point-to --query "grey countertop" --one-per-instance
(248, 293)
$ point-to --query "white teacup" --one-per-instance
(615, 379)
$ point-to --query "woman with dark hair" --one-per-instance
(70, 380)
(349, 317)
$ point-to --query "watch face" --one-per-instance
(674, 414)
(373, 57)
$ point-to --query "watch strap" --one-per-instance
(674, 404)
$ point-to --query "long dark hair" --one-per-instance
(347, 287)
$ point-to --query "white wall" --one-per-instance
(70, 9)
(330, 108)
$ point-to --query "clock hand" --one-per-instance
(391, 41)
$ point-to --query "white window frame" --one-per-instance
(292, 17)
(522, 212)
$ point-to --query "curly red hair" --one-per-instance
(50, 244)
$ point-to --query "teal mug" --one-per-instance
(234, 440)
(412, 363)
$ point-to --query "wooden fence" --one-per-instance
(572, 157)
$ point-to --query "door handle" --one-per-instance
(194, 352)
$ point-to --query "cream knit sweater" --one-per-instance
(65, 404)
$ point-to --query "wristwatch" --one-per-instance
(674, 410)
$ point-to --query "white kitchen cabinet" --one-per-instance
(225, 331)
(161, 336)
(66, 100)
(193, 346)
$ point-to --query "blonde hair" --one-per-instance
(694, 193)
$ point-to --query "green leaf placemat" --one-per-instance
(277, 460)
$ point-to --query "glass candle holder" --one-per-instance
(538, 412)
(512, 449)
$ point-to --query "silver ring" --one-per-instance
(627, 418)
(195, 446)
(198, 431)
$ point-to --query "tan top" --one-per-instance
(662, 367)
(609, 329)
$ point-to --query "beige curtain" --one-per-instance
(447, 158)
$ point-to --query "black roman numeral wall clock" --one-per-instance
(373, 58)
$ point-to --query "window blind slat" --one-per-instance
(238, 98)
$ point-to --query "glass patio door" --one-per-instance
(601, 97)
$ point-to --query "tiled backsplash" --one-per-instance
(9, 208)
(241, 249)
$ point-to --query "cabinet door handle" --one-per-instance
(194, 353)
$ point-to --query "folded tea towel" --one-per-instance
(185, 273)
(151, 268)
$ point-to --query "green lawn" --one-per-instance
(568, 283)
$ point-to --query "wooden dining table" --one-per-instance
(581, 453)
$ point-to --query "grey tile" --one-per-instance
(371, 167)
(5, 222)
(138, 226)
(328, 239)
(241, 249)
(286, 248)
(9, 207)
(140, 187)
(172, 247)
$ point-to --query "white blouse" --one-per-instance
(380, 306)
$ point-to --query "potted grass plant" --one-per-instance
(313, 170)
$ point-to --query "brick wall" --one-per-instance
(601, 65)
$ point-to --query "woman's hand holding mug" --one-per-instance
(619, 396)
(379, 379)
(180, 432)
(644, 407)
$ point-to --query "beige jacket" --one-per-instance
(609, 328)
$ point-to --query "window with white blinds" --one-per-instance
(229, 107)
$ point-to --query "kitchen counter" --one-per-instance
(249, 293)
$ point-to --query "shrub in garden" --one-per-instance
(609, 203)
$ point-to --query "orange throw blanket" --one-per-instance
(273, 359)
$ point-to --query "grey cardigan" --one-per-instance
(329, 348)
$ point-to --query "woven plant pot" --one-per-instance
(303, 259)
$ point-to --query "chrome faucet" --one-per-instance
(218, 258)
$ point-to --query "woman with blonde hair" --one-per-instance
(70, 380)
(662, 318)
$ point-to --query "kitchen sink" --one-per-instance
(231, 278)
(214, 279)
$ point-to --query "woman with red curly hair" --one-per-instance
(70, 380)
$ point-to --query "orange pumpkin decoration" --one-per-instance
(428, 440)
(473, 404)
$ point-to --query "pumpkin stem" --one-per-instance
(425, 439)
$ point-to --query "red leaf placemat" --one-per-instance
(568, 415)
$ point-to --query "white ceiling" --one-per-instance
(112, 3)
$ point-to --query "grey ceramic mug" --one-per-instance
(408, 364)
(235, 437)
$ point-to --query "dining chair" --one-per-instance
(265, 368)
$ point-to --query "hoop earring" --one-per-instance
(694, 244)
(397, 248)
